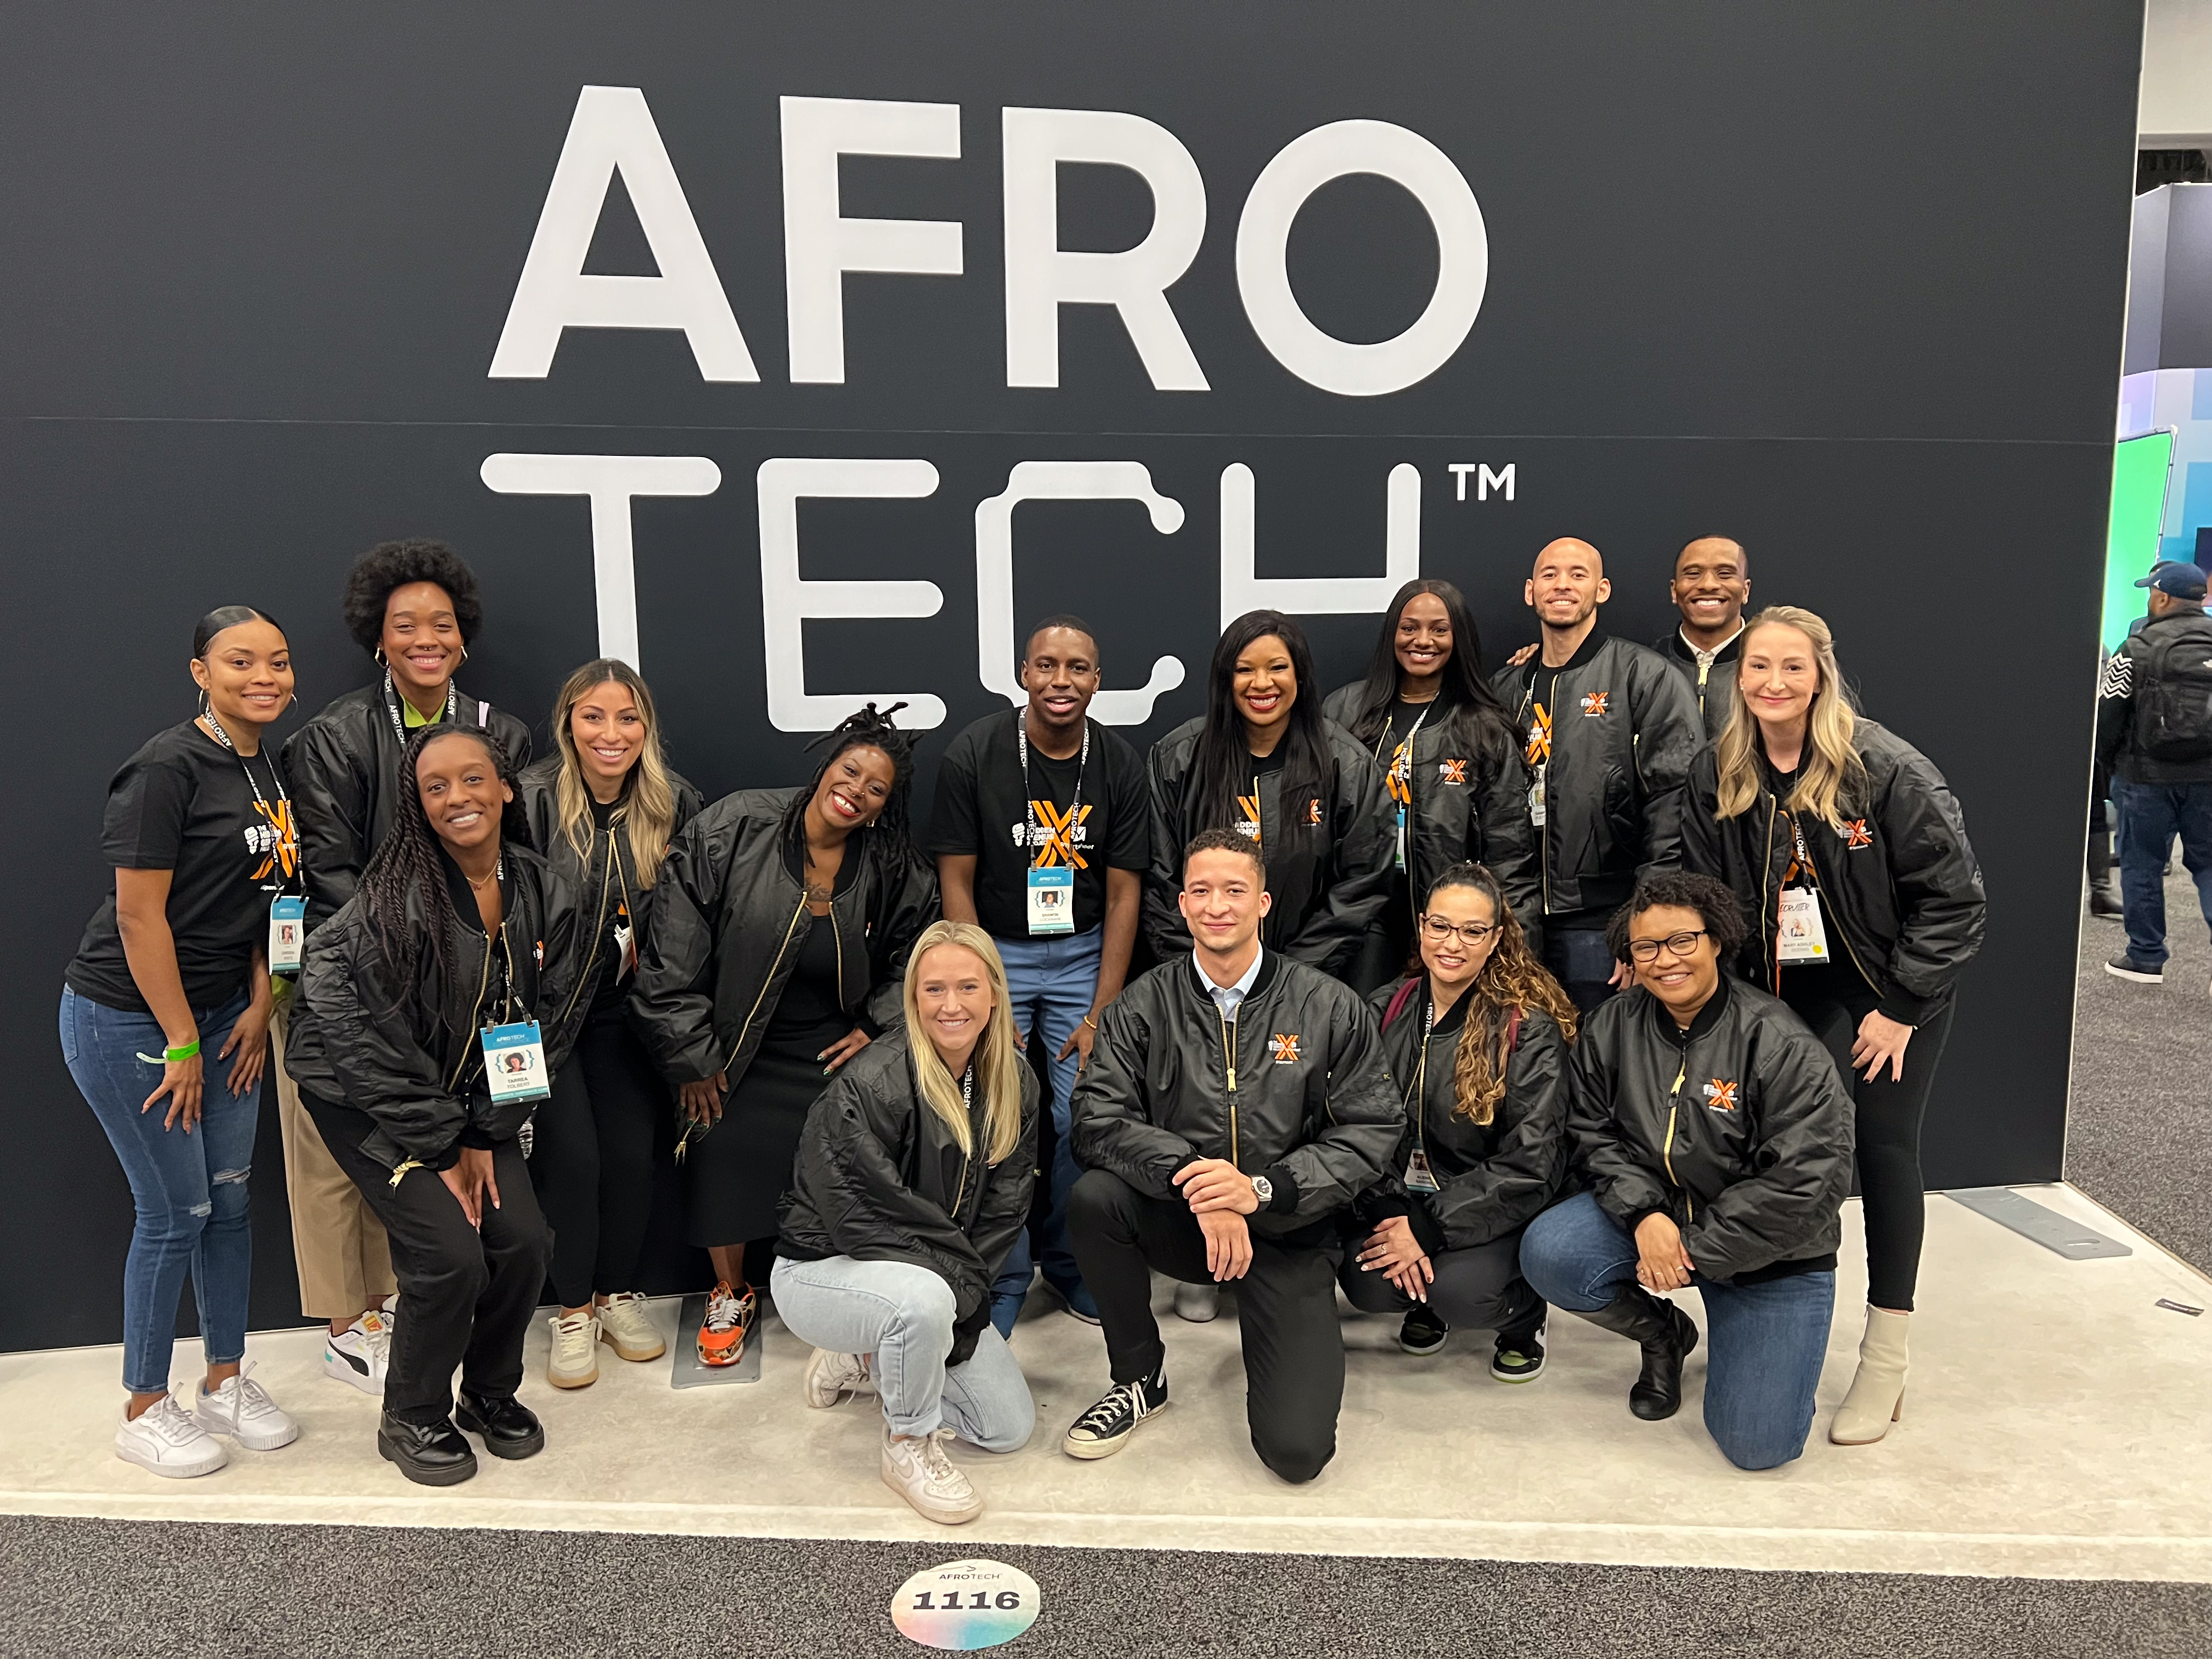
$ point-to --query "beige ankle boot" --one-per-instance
(1876, 1399)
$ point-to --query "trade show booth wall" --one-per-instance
(804, 353)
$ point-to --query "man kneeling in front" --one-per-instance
(1234, 1104)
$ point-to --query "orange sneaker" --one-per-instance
(721, 1339)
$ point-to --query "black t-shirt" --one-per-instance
(182, 803)
(609, 990)
(979, 809)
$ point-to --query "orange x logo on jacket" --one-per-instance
(1720, 1096)
(1594, 704)
(1453, 771)
(1286, 1047)
(1855, 833)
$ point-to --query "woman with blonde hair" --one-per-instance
(913, 1180)
(1477, 1043)
(603, 808)
(1847, 848)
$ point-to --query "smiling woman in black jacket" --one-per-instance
(1477, 1045)
(431, 1016)
(1712, 1139)
(913, 1181)
(749, 1006)
(1848, 847)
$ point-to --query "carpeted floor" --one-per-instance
(81, 1587)
(2139, 1128)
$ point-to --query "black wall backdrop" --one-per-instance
(258, 258)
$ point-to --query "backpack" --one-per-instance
(2172, 717)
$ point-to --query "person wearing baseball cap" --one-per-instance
(2155, 731)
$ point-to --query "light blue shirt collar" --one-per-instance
(1230, 998)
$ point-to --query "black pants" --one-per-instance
(1286, 1314)
(1576, 951)
(593, 1161)
(466, 1296)
(1477, 1289)
(1887, 1122)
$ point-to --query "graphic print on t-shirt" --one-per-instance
(1060, 835)
(1249, 825)
(1540, 734)
(274, 839)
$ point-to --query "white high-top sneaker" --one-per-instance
(628, 1329)
(242, 1409)
(574, 1362)
(918, 1471)
(166, 1438)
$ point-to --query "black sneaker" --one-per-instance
(2142, 973)
(1518, 1358)
(1106, 1427)
(1422, 1332)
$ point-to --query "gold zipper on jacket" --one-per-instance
(1842, 933)
(1229, 1059)
(1666, 1146)
(598, 925)
(744, 1030)
(483, 983)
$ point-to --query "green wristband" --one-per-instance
(177, 1056)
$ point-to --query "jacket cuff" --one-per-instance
(867, 1022)
(1635, 1218)
(1428, 1232)
(1286, 1200)
(1905, 1008)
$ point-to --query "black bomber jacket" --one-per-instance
(729, 918)
(1617, 727)
(1901, 883)
(1470, 802)
(1492, 1178)
(880, 1178)
(1295, 1089)
(410, 1056)
(1741, 1132)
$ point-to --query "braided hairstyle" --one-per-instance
(867, 729)
(1512, 979)
(407, 861)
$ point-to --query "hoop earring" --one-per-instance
(204, 701)
(377, 656)
(465, 654)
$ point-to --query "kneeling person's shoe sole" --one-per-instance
(1423, 1334)
(1518, 1359)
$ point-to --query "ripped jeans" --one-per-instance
(190, 1190)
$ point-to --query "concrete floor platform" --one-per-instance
(2056, 1427)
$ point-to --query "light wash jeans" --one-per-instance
(1051, 983)
(188, 1187)
(1764, 1343)
(902, 1315)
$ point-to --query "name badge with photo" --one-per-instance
(625, 950)
(1536, 798)
(1800, 938)
(288, 932)
(1052, 901)
(1420, 1177)
(514, 1061)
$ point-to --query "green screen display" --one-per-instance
(2140, 466)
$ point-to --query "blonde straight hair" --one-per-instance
(998, 1063)
(1830, 762)
(650, 808)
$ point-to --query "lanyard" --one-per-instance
(1029, 795)
(1400, 777)
(391, 708)
(1804, 859)
(283, 824)
(1421, 1074)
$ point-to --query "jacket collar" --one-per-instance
(1585, 654)
(1707, 1016)
(1728, 651)
(1268, 969)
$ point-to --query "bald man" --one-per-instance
(1610, 727)
(1710, 587)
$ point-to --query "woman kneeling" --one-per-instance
(1714, 1137)
(913, 1180)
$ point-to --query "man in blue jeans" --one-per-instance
(1713, 1138)
(2154, 733)
(1041, 831)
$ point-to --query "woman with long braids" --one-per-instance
(1477, 1042)
(1848, 847)
(198, 829)
(1450, 759)
(604, 807)
(750, 1007)
(434, 1009)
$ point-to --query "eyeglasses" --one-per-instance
(1678, 945)
(1474, 932)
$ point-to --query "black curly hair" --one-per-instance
(1714, 901)
(868, 729)
(389, 565)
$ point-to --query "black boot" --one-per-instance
(509, 1428)
(1666, 1335)
(430, 1455)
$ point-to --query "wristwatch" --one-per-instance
(1264, 1190)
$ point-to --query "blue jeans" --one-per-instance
(1052, 981)
(1764, 1343)
(188, 1187)
(902, 1315)
(2151, 816)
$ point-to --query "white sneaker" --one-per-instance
(575, 1360)
(242, 1409)
(918, 1471)
(831, 1377)
(166, 1438)
(360, 1353)
(626, 1327)
(1198, 1303)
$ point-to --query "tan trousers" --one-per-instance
(344, 1262)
